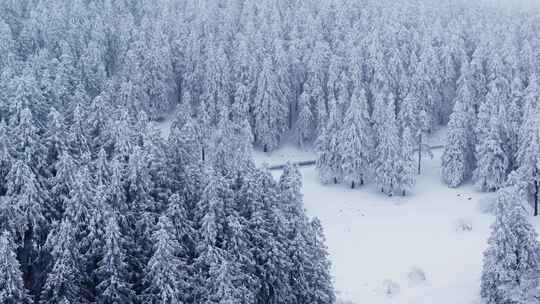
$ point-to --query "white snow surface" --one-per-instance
(372, 237)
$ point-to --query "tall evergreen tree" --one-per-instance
(12, 289)
(164, 275)
(6, 156)
(511, 261)
(529, 154)
(406, 175)
(356, 146)
(492, 165)
(303, 128)
(270, 111)
(114, 286)
(328, 157)
(64, 283)
(458, 154)
(387, 150)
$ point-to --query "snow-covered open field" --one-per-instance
(373, 238)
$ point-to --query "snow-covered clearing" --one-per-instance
(372, 238)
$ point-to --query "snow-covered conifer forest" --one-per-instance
(127, 131)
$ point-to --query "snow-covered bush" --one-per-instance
(390, 288)
(416, 276)
(463, 225)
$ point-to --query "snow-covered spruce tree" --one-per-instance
(65, 281)
(185, 155)
(7, 45)
(513, 115)
(163, 275)
(308, 258)
(512, 259)
(80, 208)
(6, 156)
(458, 153)
(77, 137)
(12, 289)
(479, 81)
(55, 138)
(303, 127)
(529, 154)
(270, 111)
(407, 170)
(321, 287)
(356, 146)
(297, 229)
(158, 72)
(67, 75)
(492, 161)
(26, 94)
(210, 216)
(24, 215)
(121, 134)
(27, 144)
(268, 239)
(26, 198)
(143, 206)
(231, 147)
(61, 183)
(182, 222)
(97, 122)
(316, 84)
(416, 115)
(387, 151)
(112, 272)
(328, 157)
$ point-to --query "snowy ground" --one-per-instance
(372, 238)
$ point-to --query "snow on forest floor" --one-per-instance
(372, 238)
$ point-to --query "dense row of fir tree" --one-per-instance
(363, 82)
(96, 206)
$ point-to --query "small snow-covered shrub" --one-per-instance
(416, 276)
(463, 225)
(390, 288)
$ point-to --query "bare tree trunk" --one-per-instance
(536, 189)
(290, 115)
(420, 154)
